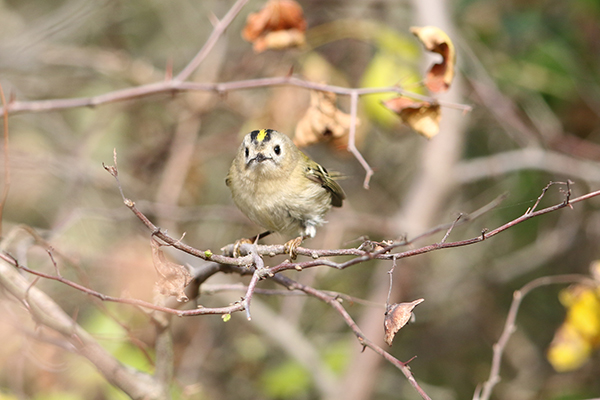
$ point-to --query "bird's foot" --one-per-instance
(291, 246)
(238, 243)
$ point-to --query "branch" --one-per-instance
(510, 326)
(532, 158)
(175, 86)
(384, 252)
(6, 184)
(362, 339)
(218, 30)
(46, 312)
(360, 255)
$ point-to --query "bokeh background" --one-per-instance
(529, 69)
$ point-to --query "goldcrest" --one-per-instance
(278, 187)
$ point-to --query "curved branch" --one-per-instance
(362, 339)
(510, 325)
(46, 312)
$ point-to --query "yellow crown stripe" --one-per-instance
(261, 135)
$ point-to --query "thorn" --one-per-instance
(213, 19)
(169, 70)
(290, 72)
(412, 358)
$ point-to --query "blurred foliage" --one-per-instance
(174, 153)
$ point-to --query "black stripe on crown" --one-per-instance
(261, 136)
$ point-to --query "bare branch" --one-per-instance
(510, 325)
(362, 339)
(176, 86)
(219, 28)
(352, 139)
(532, 158)
(46, 312)
(6, 183)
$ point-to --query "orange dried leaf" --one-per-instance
(279, 40)
(172, 278)
(396, 316)
(276, 16)
(439, 76)
(422, 116)
(322, 121)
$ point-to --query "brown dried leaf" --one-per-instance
(396, 316)
(323, 121)
(439, 76)
(279, 40)
(172, 278)
(276, 16)
(422, 116)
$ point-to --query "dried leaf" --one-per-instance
(172, 278)
(439, 76)
(276, 16)
(323, 121)
(279, 40)
(422, 116)
(396, 316)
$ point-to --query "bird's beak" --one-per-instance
(260, 157)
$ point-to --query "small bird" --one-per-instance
(280, 188)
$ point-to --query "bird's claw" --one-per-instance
(238, 243)
(291, 246)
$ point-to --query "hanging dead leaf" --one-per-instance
(279, 40)
(396, 316)
(422, 116)
(276, 16)
(172, 278)
(439, 76)
(323, 121)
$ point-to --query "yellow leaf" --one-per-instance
(579, 335)
(568, 350)
(584, 312)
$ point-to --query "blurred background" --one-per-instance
(529, 69)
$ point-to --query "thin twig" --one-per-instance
(176, 243)
(6, 184)
(208, 289)
(135, 302)
(352, 139)
(464, 219)
(219, 29)
(391, 274)
(451, 228)
(259, 268)
(510, 326)
(544, 190)
(56, 270)
(362, 339)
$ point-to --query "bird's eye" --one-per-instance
(247, 152)
(277, 149)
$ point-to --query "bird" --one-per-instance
(280, 188)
